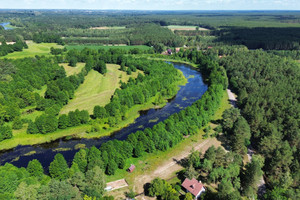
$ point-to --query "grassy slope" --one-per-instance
(42, 49)
(97, 89)
(72, 70)
(96, 47)
(150, 162)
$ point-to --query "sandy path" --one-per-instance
(167, 169)
(232, 98)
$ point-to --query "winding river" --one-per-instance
(188, 94)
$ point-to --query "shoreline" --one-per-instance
(80, 132)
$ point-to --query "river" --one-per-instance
(186, 96)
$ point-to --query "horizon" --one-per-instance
(154, 5)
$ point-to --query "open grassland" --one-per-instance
(108, 27)
(96, 47)
(185, 28)
(20, 137)
(97, 89)
(73, 70)
(42, 49)
(155, 164)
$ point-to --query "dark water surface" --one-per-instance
(45, 153)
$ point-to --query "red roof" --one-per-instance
(131, 168)
(193, 186)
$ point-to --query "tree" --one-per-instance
(26, 192)
(95, 180)
(17, 124)
(80, 159)
(32, 128)
(35, 168)
(5, 132)
(73, 61)
(252, 175)
(191, 173)
(99, 112)
(63, 121)
(188, 196)
(111, 167)
(58, 168)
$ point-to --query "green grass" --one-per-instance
(42, 49)
(97, 89)
(20, 137)
(177, 27)
(96, 47)
(73, 70)
(108, 27)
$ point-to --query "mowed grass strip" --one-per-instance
(97, 89)
(42, 49)
(96, 47)
(187, 28)
(72, 70)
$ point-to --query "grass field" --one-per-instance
(97, 89)
(108, 27)
(187, 28)
(73, 70)
(42, 49)
(96, 47)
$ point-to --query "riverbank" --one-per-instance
(22, 138)
(163, 164)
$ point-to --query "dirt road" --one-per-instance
(170, 166)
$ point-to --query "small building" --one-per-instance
(193, 186)
(131, 168)
(169, 51)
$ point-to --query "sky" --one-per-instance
(153, 4)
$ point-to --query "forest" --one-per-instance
(254, 54)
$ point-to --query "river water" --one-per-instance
(186, 96)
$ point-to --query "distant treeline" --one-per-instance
(265, 38)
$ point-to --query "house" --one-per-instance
(193, 186)
(131, 168)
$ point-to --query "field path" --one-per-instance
(170, 166)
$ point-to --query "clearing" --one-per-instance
(185, 28)
(108, 27)
(72, 70)
(107, 47)
(42, 49)
(97, 89)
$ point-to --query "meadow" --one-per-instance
(72, 70)
(188, 28)
(97, 89)
(34, 49)
(96, 47)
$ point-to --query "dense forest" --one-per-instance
(268, 96)
(253, 29)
